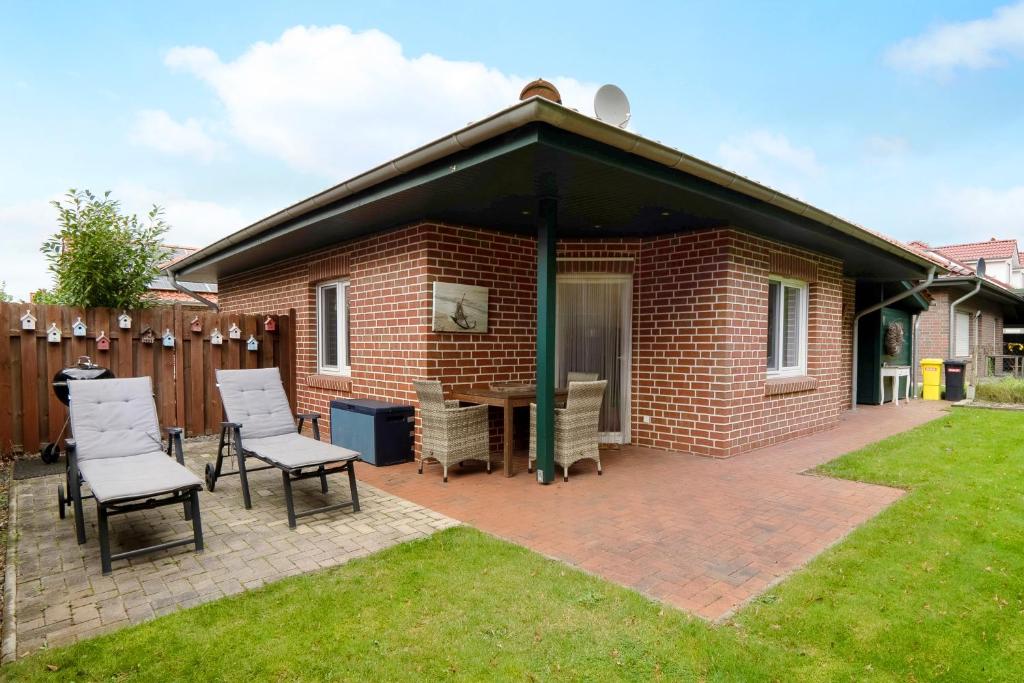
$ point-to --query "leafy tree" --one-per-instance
(4, 296)
(100, 256)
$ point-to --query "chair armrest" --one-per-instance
(312, 417)
(452, 403)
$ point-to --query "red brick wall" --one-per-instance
(698, 337)
(933, 329)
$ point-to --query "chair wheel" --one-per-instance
(211, 479)
(62, 502)
(50, 453)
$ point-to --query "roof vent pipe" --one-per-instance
(541, 88)
(921, 286)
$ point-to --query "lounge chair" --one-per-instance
(260, 425)
(451, 434)
(576, 427)
(118, 452)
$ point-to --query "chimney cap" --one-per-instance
(541, 88)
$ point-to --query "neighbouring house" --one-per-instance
(986, 306)
(163, 290)
(1002, 258)
(719, 310)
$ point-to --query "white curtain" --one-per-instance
(593, 336)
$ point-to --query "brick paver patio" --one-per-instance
(61, 595)
(701, 534)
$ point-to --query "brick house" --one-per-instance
(720, 310)
(162, 288)
(978, 321)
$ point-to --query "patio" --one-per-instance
(60, 596)
(704, 535)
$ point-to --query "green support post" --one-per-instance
(547, 268)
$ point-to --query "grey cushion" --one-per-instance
(133, 476)
(293, 450)
(113, 418)
(256, 400)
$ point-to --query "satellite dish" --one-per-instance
(611, 105)
(980, 268)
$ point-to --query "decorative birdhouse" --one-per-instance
(147, 336)
(234, 332)
(102, 342)
(53, 334)
(168, 339)
(78, 328)
(196, 325)
(124, 321)
(28, 321)
(270, 325)
(216, 338)
(252, 344)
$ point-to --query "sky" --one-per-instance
(905, 117)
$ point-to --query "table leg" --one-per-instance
(507, 439)
(896, 390)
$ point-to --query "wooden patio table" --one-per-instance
(508, 400)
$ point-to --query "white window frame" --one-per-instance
(966, 340)
(344, 362)
(800, 368)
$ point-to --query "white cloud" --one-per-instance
(335, 102)
(881, 147)
(984, 211)
(24, 226)
(156, 129)
(976, 44)
(770, 158)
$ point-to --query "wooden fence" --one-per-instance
(183, 374)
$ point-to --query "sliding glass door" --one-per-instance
(593, 336)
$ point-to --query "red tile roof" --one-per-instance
(972, 251)
(955, 267)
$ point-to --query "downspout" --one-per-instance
(914, 321)
(185, 290)
(952, 317)
(876, 307)
(977, 347)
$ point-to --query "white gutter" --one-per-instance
(876, 307)
(537, 109)
(952, 317)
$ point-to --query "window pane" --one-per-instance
(329, 326)
(348, 330)
(773, 325)
(791, 314)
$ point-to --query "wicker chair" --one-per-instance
(451, 434)
(580, 377)
(576, 427)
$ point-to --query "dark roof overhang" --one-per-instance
(608, 184)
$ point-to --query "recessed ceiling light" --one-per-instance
(526, 212)
(665, 213)
(597, 225)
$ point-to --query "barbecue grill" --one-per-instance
(84, 369)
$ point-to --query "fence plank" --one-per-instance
(195, 422)
(168, 388)
(286, 354)
(30, 385)
(6, 383)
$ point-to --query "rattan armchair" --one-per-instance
(576, 427)
(580, 377)
(451, 434)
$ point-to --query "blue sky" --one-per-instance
(905, 117)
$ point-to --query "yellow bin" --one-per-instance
(931, 370)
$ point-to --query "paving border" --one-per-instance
(9, 630)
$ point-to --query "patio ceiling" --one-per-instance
(602, 190)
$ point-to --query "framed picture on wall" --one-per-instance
(459, 308)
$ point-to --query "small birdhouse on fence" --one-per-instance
(53, 334)
(234, 332)
(252, 344)
(270, 325)
(196, 325)
(102, 342)
(147, 336)
(168, 339)
(28, 321)
(216, 338)
(124, 321)
(78, 329)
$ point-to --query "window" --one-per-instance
(787, 327)
(963, 335)
(333, 350)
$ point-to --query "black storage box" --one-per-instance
(381, 432)
(955, 371)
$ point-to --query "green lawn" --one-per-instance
(931, 589)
